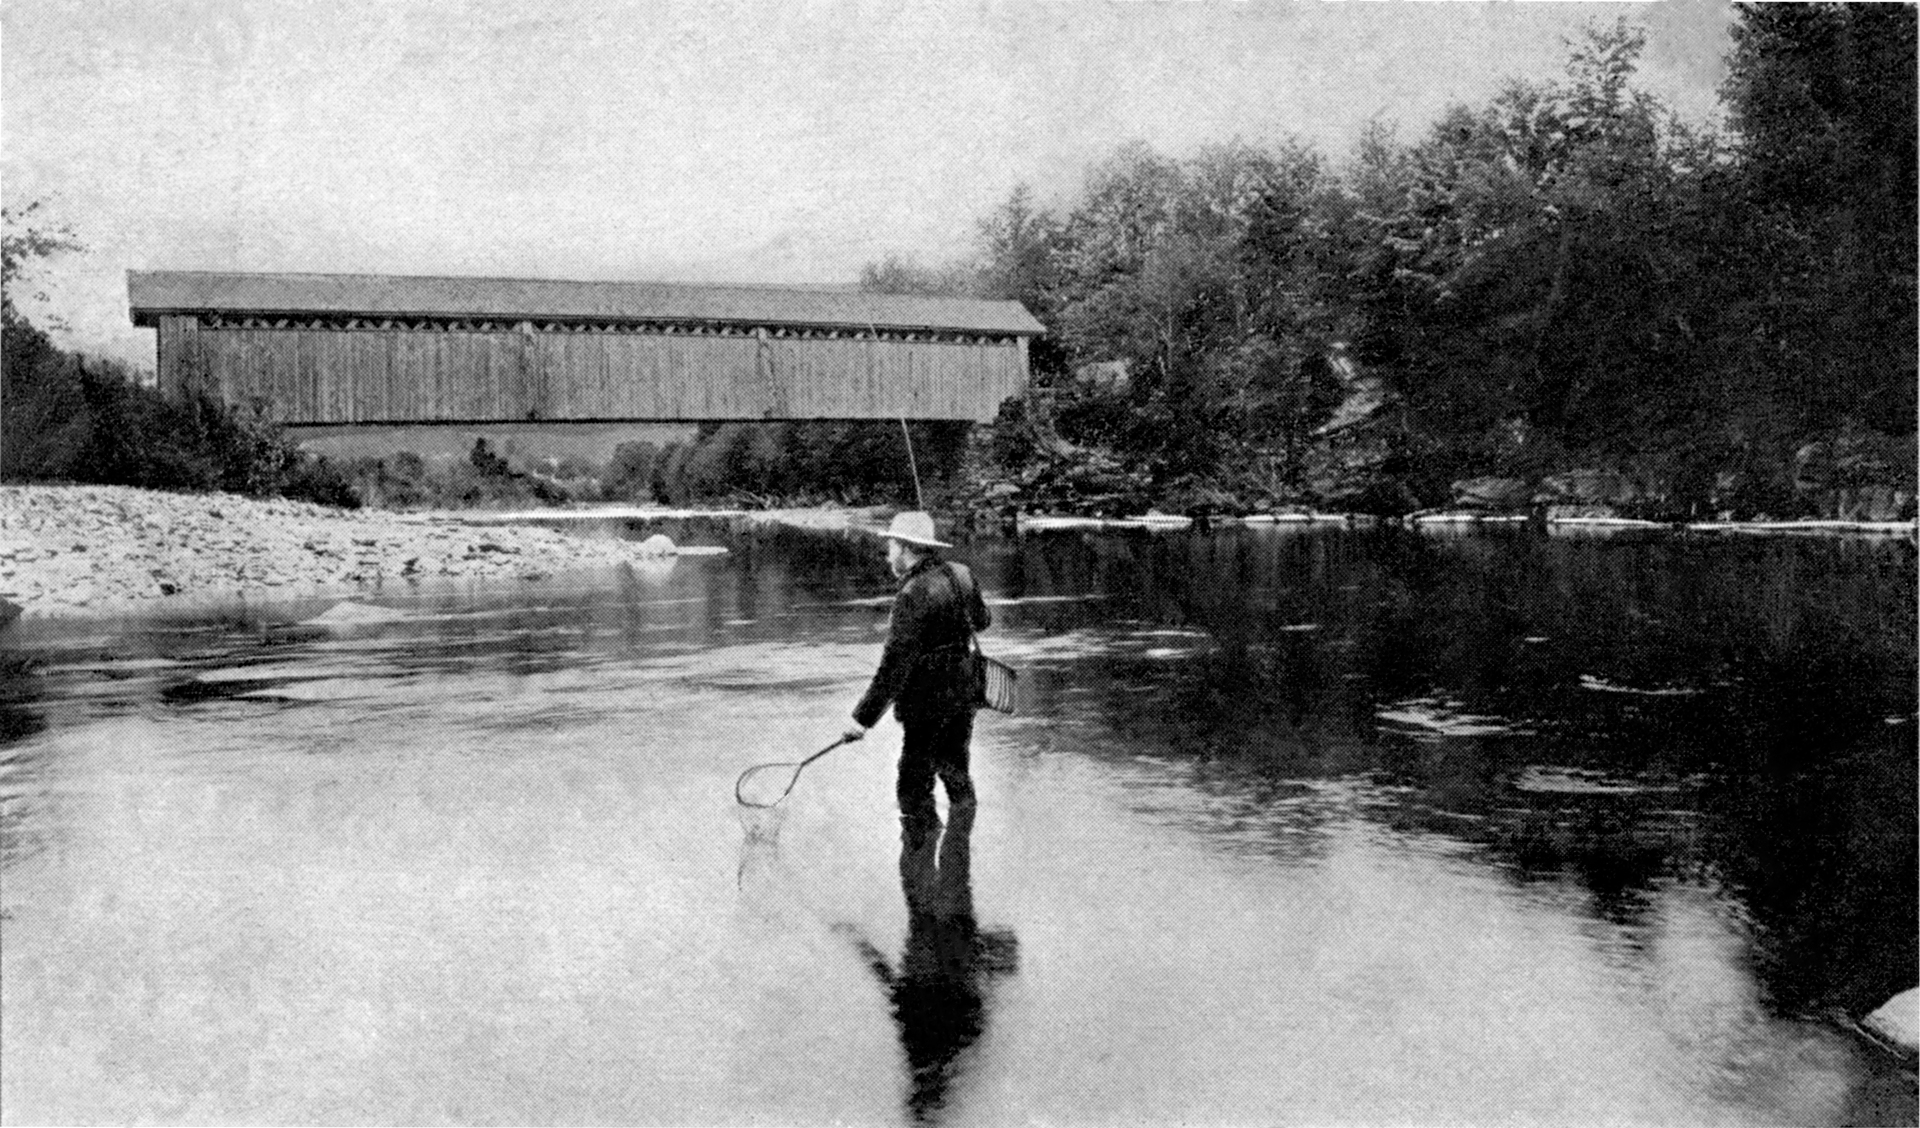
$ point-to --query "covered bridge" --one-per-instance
(358, 348)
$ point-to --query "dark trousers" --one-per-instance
(930, 747)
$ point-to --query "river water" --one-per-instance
(1293, 826)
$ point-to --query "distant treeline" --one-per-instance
(1562, 295)
(849, 463)
(750, 464)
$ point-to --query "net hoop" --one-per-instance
(740, 784)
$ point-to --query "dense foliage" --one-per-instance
(865, 463)
(64, 417)
(746, 464)
(1563, 296)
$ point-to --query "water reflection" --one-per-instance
(23, 824)
(941, 988)
(1603, 828)
(1617, 711)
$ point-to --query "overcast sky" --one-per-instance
(777, 141)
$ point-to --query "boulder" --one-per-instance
(1898, 1021)
(1491, 493)
(355, 614)
(1365, 396)
(1585, 488)
(1869, 503)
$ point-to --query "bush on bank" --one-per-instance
(734, 464)
(798, 463)
(72, 419)
(485, 479)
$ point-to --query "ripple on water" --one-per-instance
(499, 843)
(1091, 642)
(1437, 718)
(1574, 781)
(1602, 685)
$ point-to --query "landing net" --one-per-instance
(761, 793)
(766, 785)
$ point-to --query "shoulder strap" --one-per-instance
(962, 577)
(963, 583)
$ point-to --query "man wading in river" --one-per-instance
(928, 672)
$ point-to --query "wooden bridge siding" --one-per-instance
(855, 379)
(646, 376)
(642, 376)
(169, 362)
(319, 376)
(333, 376)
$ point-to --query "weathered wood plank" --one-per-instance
(352, 375)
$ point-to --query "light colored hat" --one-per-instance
(914, 527)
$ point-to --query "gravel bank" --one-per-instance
(103, 550)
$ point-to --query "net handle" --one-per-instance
(798, 768)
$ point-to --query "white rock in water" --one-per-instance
(351, 612)
(1899, 1020)
(659, 544)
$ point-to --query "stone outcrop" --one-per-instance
(1492, 493)
(1856, 475)
(1587, 493)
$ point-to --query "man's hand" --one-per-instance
(854, 732)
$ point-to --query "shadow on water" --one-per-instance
(941, 989)
(20, 763)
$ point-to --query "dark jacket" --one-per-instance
(928, 670)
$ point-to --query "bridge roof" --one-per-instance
(152, 293)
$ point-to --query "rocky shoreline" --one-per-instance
(91, 551)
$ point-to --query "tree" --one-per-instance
(1823, 98)
(1561, 278)
(42, 416)
(1018, 246)
(897, 274)
(1525, 292)
(25, 245)
(1154, 279)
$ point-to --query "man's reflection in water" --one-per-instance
(939, 990)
